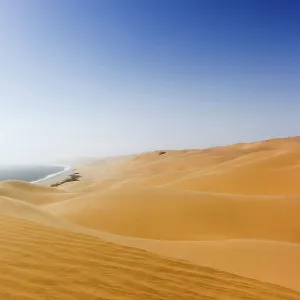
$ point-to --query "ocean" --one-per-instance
(32, 173)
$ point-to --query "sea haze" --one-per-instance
(28, 173)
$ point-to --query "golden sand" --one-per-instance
(219, 223)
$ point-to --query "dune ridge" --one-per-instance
(218, 223)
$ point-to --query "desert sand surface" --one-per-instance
(218, 223)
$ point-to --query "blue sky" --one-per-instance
(109, 77)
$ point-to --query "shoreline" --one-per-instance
(55, 178)
(66, 168)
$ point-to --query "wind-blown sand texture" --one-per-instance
(219, 223)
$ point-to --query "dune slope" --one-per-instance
(159, 213)
(32, 193)
(41, 262)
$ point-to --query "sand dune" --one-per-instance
(31, 193)
(267, 173)
(40, 262)
(159, 213)
(268, 261)
(218, 223)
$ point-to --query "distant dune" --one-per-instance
(218, 223)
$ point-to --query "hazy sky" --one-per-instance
(97, 78)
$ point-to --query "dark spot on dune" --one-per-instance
(162, 152)
(72, 177)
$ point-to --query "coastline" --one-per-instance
(54, 178)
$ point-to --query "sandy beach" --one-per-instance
(218, 223)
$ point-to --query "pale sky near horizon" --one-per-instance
(111, 77)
